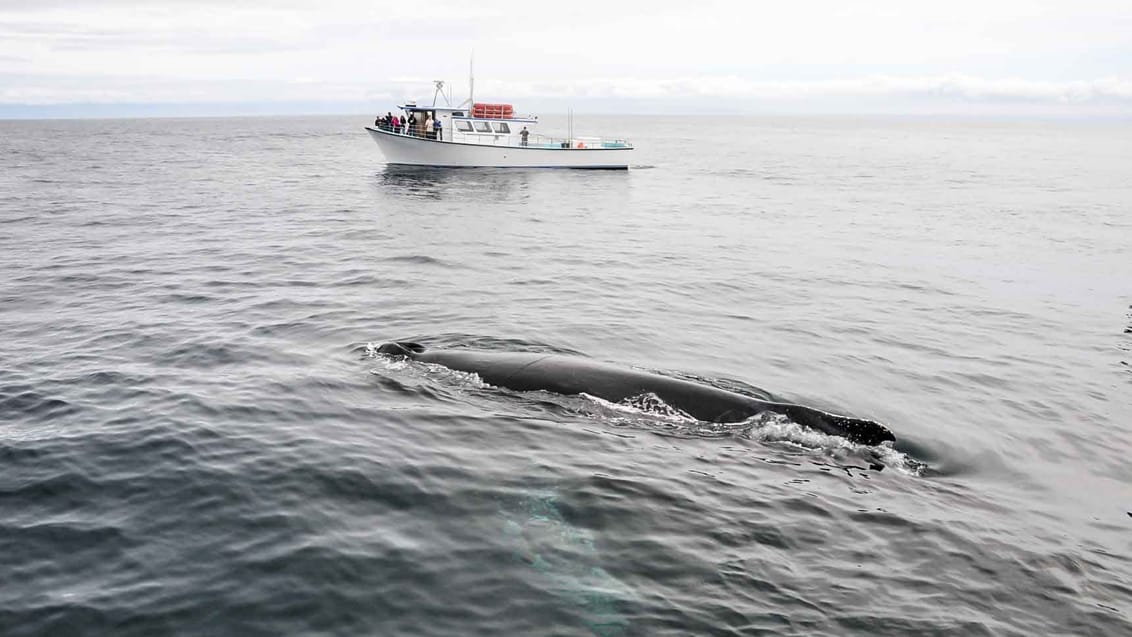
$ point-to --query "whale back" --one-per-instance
(570, 375)
(527, 371)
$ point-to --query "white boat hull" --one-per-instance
(414, 151)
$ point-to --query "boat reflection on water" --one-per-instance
(474, 184)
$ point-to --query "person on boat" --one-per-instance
(388, 121)
(412, 124)
(428, 126)
(396, 124)
(439, 129)
(524, 133)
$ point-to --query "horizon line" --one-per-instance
(308, 108)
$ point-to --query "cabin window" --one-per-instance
(483, 127)
(502, 127)
(457, 113)
(463, 126)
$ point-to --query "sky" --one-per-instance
(1002, 57)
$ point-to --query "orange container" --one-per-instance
(492, 111)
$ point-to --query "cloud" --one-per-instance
(950, 86)
(1060, 53)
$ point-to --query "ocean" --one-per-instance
(197, 436)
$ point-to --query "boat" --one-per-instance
(488, 135)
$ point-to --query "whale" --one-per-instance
(571, 375)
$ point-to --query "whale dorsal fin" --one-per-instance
(401, 348)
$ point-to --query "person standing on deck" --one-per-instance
(524, 133)
(439, 129)
(428, 127)
(412, 124)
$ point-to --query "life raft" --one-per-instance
(492, 111)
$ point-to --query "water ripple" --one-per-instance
(195, 438)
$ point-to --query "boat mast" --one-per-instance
(471, 82)
(472, 79)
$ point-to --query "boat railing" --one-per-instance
(543, 141)
(410, 131)
(534, 141)
(417, 131)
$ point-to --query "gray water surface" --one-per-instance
(197, 438)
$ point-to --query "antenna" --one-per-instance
(440, 91)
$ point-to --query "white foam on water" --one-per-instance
(644, 406)
(768, 426)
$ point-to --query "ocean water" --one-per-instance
(196, 436)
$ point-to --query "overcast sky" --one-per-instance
(1044, 56)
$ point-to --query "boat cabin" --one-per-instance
(485, 124)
